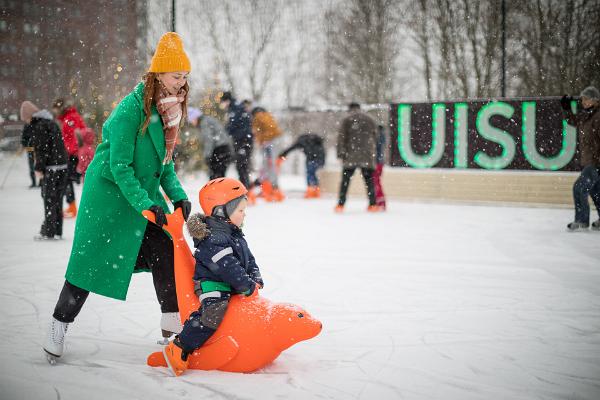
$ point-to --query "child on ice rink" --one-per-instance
(224, 265)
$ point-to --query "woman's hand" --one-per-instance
(160, 218)
(186, 208)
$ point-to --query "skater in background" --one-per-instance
(50, 166)
(113, 239)
(86, 151)
(587, 122)
(356, 148)
(225, 266)
(217, 146)
(27, 109)
(380, 161)
(239, 127)
(72, 125)
(314, 151)
(266, 132)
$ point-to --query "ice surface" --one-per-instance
(425, 301)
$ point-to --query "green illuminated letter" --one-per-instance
(489, 132)
(460, 135)
(438, 135)
(569, 139)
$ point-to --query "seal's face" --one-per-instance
(291, 324)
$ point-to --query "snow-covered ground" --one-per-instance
(425, 301)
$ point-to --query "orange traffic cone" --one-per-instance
(71, 211)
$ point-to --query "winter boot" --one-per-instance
(596, 225)
(55, 340)
(577, 226)
(71, 211)
(170, 324)
(176, 357)
(373, 208)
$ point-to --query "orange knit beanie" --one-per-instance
(169, 55)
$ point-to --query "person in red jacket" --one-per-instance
(72, 125)
(86, 151)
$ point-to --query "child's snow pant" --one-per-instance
(201, 324)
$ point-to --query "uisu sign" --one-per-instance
(498, 134)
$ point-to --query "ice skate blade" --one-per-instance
(51, 358)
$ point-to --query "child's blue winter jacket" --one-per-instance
(223, 260)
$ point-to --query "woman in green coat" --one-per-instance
(135, 159)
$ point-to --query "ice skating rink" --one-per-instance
(425, 301)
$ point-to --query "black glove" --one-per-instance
(251, 290)
(565, 102)
(160, 218)
(260, 283)
(186, 208)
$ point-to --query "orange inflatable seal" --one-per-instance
(254, 331)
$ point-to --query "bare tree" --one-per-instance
(558, 45)
(361, 49)
(241, 36)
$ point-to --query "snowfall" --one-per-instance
(428, 300)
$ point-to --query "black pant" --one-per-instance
(219, 161)
(367, 174)
(53, 187)
(156, 254)
(243, 153)
(30, 161)
(588, 184)
(73, 176)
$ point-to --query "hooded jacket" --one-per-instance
(223, 258)
(71, 123)
(46, 139)
(312, 146)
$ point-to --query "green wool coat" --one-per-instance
(122, 180)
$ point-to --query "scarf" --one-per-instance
(171, 112)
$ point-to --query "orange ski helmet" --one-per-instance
(219, 192)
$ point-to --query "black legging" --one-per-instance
(367, 174)
(156, 254)
(243, 154)
(53, 189)
(72, 176)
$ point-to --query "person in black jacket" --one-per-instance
(224, 265)
(239, 127)
(51, 166)
(312, 146)
(27, 110)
